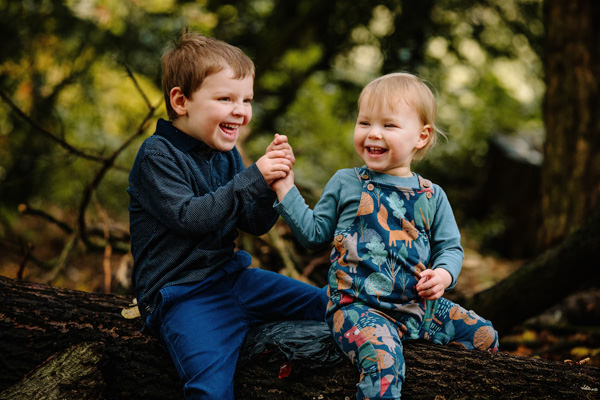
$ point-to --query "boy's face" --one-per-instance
(217, 110)
(387, 139)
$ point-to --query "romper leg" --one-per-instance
(454, 324)
(373, 343)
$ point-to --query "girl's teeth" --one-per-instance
(375, 150)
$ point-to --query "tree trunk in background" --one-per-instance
(571, 168)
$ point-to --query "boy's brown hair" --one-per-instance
(388, 90)
(193, 58)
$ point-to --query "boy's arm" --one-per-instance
(259, 216)
(164, 190)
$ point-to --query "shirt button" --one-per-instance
(428, 194)
(365, 176)
(370, 187)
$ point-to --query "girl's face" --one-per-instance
(387, 139)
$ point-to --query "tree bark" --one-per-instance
(571, 168)
(65, 344)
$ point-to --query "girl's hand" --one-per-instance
(283, 186)
(433, 283)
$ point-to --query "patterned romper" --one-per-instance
(374, 306)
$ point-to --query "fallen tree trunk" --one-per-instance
(544, 281)
(65, 344)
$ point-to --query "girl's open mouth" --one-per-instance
(372, 150)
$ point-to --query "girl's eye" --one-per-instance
(390, 126)
(224, 99)
(363, 123)
(249, 101)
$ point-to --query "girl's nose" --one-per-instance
(374, 133)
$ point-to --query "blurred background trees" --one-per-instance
(80, 88)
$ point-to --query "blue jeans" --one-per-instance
(203, 325)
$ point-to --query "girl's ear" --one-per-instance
(178, 101)
(424, 137)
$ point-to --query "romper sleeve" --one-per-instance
(446, 250)
(312, 228)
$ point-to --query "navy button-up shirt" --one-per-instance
(186, 203)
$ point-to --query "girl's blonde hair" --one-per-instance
(388, 90)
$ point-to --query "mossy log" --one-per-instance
(66, 344)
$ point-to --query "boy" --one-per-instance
(189, 193)
(396, 243)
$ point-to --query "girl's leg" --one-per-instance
(454, 324)
(373, 343)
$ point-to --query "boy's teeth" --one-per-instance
(229, 128)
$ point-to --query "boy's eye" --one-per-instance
(249, 101)
(363, 123)
(224, 99)
(390, 126)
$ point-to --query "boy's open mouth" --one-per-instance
(229, 129)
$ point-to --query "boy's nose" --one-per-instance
(238, 109)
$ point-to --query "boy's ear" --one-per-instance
(424, 137)
(178, 101)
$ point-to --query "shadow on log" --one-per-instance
(65, 344)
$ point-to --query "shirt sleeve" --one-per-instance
(312, 228)
(163, 188)
(446, 251)
(259, 216)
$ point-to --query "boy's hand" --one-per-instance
(277, 161)
(280, 142)
(433, 283)
(274, 165)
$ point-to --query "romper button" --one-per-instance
(365, 176)
(370, 187)
(428, 194)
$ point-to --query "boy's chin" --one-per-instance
(224, 146)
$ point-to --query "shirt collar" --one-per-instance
(179, 139)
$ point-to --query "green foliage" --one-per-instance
(65, 67)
